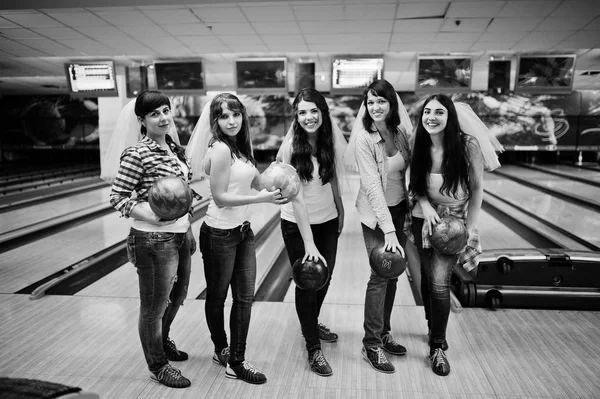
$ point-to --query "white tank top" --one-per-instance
(240, 180)
(318, 198)
(395, 190)
(181, 225)
(435, 181)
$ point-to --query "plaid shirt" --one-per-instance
(469, 257)
(141, 165)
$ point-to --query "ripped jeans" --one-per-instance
(163, 261)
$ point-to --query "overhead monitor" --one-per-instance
(446, 74)
(136, 80)
(351, 74)
(545, 74)
(261, 75)
(92, 79)
(180, 77)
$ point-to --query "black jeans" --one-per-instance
(229, 259)
(308, 303)
(436, 270)
(381, 292)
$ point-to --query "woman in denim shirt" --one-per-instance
(161, 250)
(382, 154)
(222, 139)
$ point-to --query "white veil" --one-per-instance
(350, 155)
(126, 134)
(198, 144)
(473, 126)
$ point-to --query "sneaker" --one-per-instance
(392, 347)
(318, 364)
(439, 362)
(173, 354)
(171, 377)
(245, 372)
(444, 344)
(377, 359)
(326, 335)
(221, 357)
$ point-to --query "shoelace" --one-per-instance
(171, 371)
(439, 358)
(390, 340)
(247, 366)
(171, 345)
(225, 351)
(381, 358)
(324, 329)
(319, 359)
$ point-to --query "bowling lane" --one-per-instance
(32, 262)
(37, 213)
(555, 183)
(588, 174)
(123, 281)
(575, 219)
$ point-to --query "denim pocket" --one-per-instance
(131, 249)
(220, 233)
(162, 237)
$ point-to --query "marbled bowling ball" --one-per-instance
(283, 177)
(170, 198)
(309, 275)
(387, 264)
(449, 236)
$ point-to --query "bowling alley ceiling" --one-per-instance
(38, 36)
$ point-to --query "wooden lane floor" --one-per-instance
(579, 221)
(34, 261)
(93, 343)
(123, 282)
(572, 170)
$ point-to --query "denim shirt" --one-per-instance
(373, 168)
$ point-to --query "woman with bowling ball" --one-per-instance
(160, 249)
(312, 223)
(446, 179)
(220, 147)
(380, 145)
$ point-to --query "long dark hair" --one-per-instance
(455, 163)
(301, 149)
(146, 102)
(239, 144)
(382, 88)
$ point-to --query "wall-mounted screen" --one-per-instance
(136, 80)
(261, 75)
(444, 74)
(179, 77)
(352, 74)
(545, 73)
(92, 79)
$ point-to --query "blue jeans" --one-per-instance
(381, 292)
(229, 259)
(308, 303)
(436, 270)
(163, 262)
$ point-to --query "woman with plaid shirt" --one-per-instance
(446, 178)
(160, 249)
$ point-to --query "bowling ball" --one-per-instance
(283, 177)
(170, 197)
(310, 275)
(449, 236)
(387, 264)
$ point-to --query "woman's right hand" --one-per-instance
(273, 197)
(392, 244)
(144, 213)
(312, 253)
(430, 215)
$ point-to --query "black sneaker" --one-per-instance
(171, 377)
(444, 344)
(173, 354)
(245, 372)
(326, 335)
(392, 347)
(318, 364)
(377, 359)
(221, 357)
(439, 362)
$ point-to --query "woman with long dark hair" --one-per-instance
(446, 178)
(312, 223)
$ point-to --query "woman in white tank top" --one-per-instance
(311, 224)
(226, 238)
(446, 176)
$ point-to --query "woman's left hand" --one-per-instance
(340, 220)
(191, 241)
